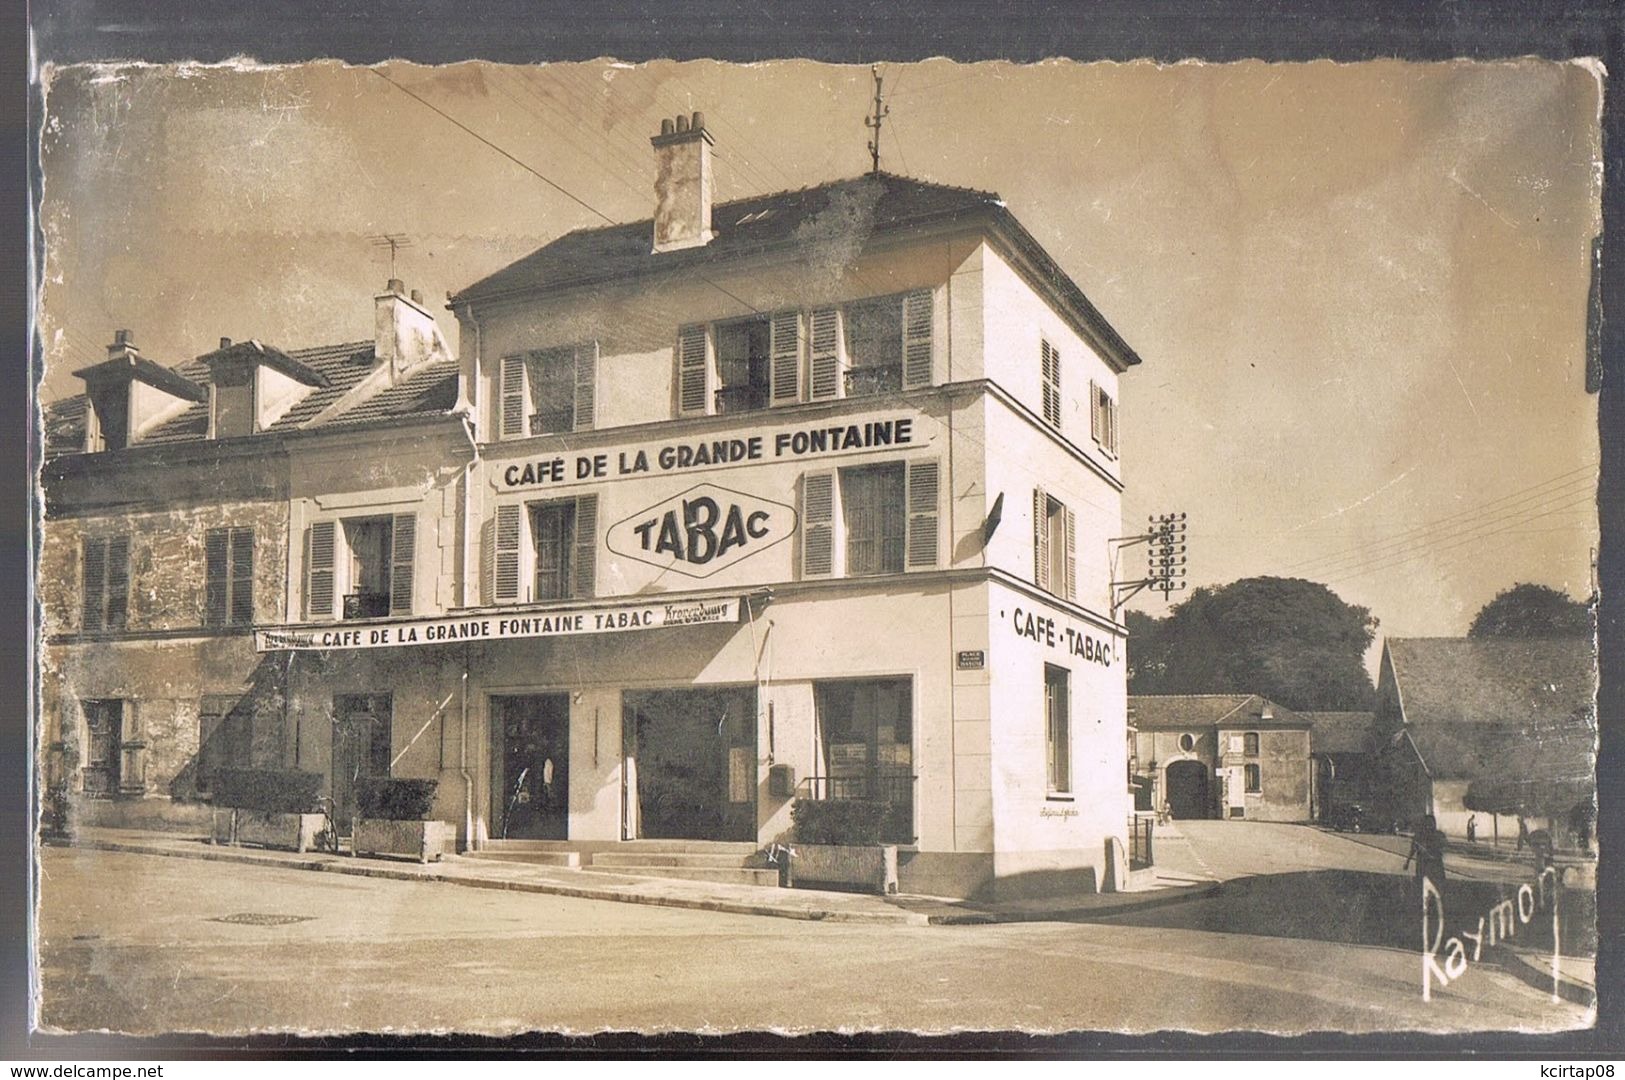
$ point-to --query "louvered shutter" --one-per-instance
(786, 357)
(922, 515)
(321, 542)
(693, 372)
(1095, 424)
(242, 576)
(505, 574)
(586, 568)
(1041, 538)
(1111, 425)
(403, 545)
(1071, 553)
(216, 577)
(118, 581)
(817, 524)
(917, 339)
(95, 585)
(1049, 362)
(513, 396)
(824, 363)
(586, 386)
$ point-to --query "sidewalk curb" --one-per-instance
(1163, 898)
(1523, 969)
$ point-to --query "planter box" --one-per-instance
(422, 840)
(289, 832)
(872, 869)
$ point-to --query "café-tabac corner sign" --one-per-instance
(652, 459)
(604, 619)
(702, 531)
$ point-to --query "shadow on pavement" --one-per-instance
(1356, 907)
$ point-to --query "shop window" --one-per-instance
(1103, 419)
(225, 732)
(228, 577)
(866, 730)
(104, 730)
(106, 580)
(1254, 779)
(1055, 535)
(875, 519)
(744, 358)
(548, 391)
(1249, 744)
(1058, 729)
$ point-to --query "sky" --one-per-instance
(1359, 290)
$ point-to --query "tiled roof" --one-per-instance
(1340, 732)
(1162, 712)
(1505, 682)
(432, 388)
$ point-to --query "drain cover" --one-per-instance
(260, 918)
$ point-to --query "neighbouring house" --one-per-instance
(804, 496)
(1344, 748)
(1500, 716)
(1222, 756)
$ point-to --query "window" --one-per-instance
(875, 519)
(1187, 743)
(106, 580)
(1058, 729)
(1254, 780)
(1049, 367)
(104, 730)
(225, 731)
(228, 577)
(866, 735)
(744, 357)
(1249, 744)
(369, 543)
(108, 421)
(559, 560)
(548, 391)
(874, 346)
(1054, 546)
(233, 400)
(1103, 419)
(368, 561)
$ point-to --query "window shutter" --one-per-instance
(922, 515)
(1049, 362)
(586, 386)
(586, 567)
(1095, 418)
(95, 584)
(216, 576)
(1041, 538)
(242, 576)
(824, 364)
(917, 339)
(693, 372)
(786, 357)
(1111, 425)
(321, 542)
(818, 524)
(513, 396)
(1071, 553)
(505, 577)
(118, 581)
(403, 545)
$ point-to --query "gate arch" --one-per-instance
(1188, 789)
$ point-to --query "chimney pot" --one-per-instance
(682, 123)
(666, 127)
(699, 121)
(123, 337)
(417, 297)
(225, 343)
(396, 286)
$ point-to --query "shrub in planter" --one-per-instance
(270, 791)
(55, 814)
(847, 822)
(392, 799)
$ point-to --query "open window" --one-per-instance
(365, 563)
(541, 551)
(744, 364)
(548, 391)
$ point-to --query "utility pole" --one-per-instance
(880, 114)
(1164, 558)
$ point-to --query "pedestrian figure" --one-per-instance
(1472, 828)
(1540, 842)
(1427, 849)
(1523, 832)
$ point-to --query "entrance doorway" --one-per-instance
(1187, 789)
(530, 778)
(692, 763)
(361, 747)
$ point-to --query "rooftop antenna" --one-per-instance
(880, 114)
(394, 242)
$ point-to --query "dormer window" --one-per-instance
(252, 385)
(233, 401)
(130, 396)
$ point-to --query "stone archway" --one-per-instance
(1187, 785)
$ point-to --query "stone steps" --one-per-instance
(569, 859)
(675, 858)
(732, 875)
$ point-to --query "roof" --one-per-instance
(269, 355)
(858, 208)
(1340, 732)
(132, 364)
(1168, 712)
(432, 388)
(1507, 682)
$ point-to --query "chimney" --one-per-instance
(123, 345)
(682, 184)
(406, 334)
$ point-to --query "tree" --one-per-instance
(1531, 611)
(1293, 641)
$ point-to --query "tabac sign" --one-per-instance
(607, 619)
(704, 530)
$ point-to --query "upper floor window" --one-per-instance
(1049, 369)
(1249, 744)
(106, 578)
(874, 346)
(872, 519)
(1103, 419)
(1254, 779)
(368, 561)
(549, 391)
(553, 533)
(228, 577)
(1054, 546)
(744, 358)
(559, 558)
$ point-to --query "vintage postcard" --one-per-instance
(800, 547)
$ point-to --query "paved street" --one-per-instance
(136, 943)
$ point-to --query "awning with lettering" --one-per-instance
(500, 626)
